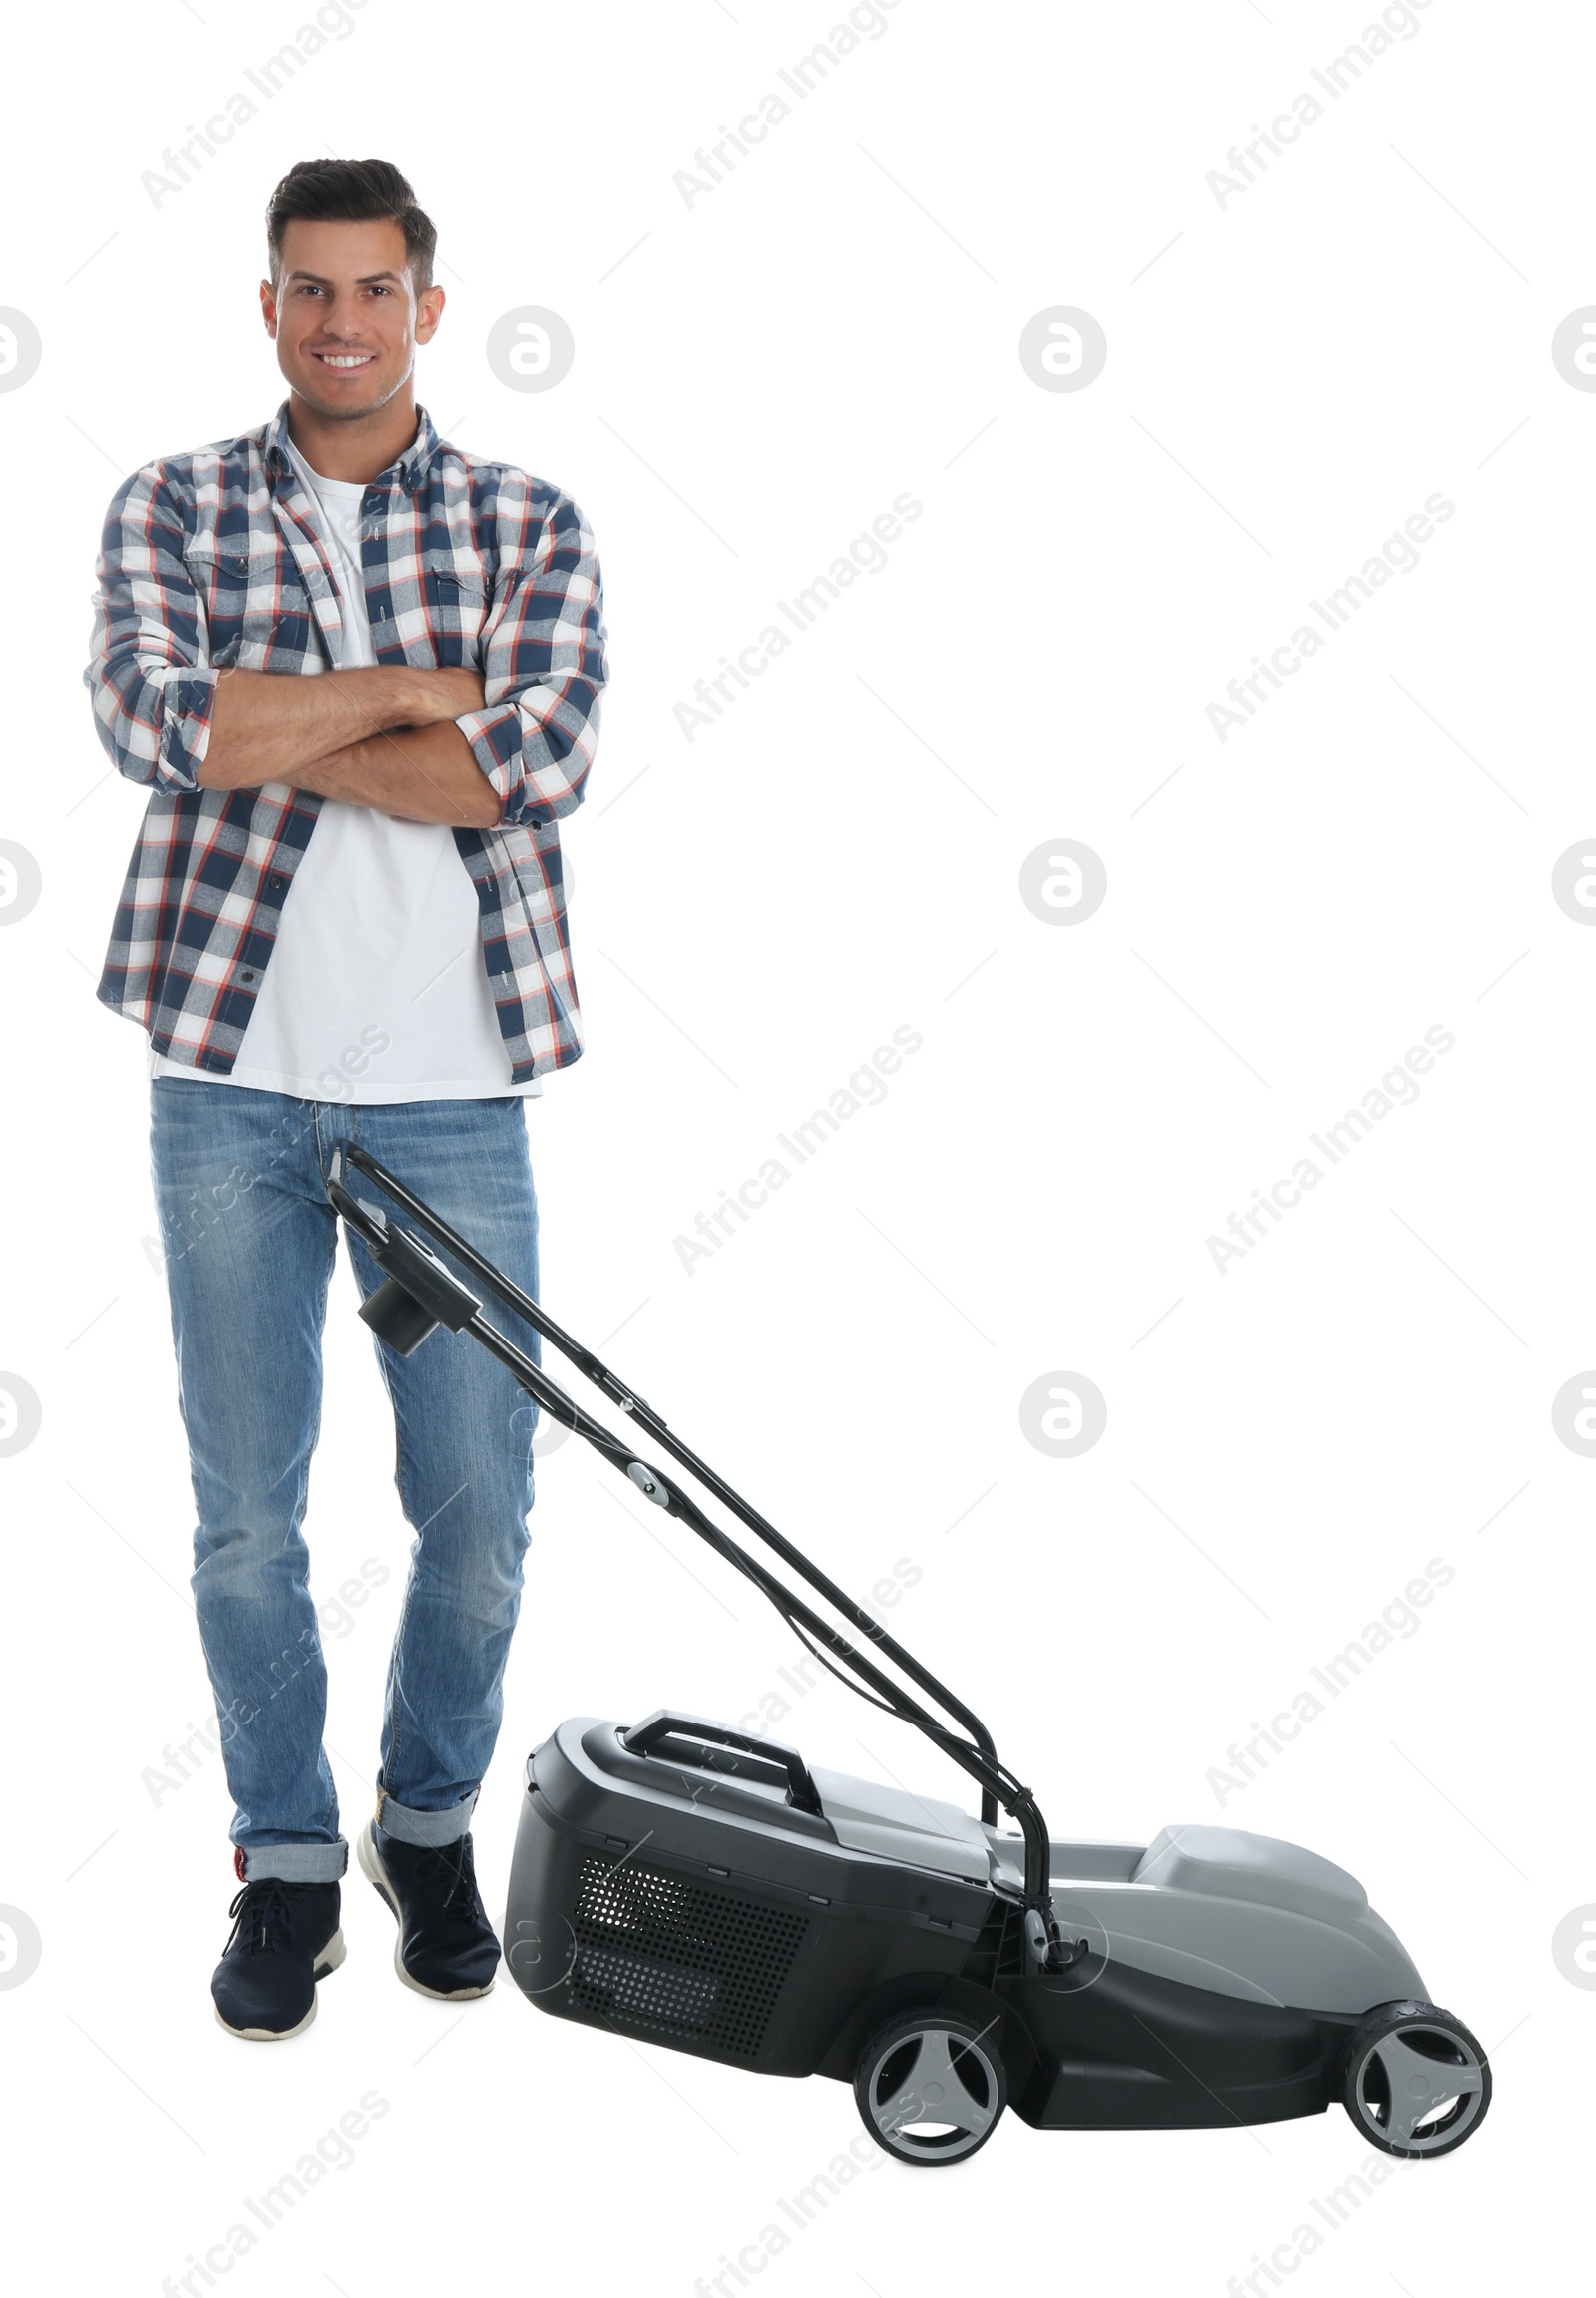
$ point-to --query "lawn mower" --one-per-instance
(684, 1884)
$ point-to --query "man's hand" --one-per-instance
(269, 728)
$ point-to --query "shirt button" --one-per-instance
(246, 976)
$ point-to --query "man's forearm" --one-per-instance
(268, 728)
(419, 773)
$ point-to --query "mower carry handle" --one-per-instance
(643, 1737)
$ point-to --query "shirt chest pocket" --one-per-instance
(256, 609)
(456, 596)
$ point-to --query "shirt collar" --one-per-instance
(409, 469)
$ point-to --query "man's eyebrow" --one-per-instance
(367, 279)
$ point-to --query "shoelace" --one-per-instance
(459, 1901)
(260, 1912)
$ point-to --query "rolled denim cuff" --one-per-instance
(294, 1862)
(429, 1831)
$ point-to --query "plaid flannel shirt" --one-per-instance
(211, 561)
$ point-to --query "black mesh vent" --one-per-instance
(659, 1954)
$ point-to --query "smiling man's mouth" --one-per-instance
(344, 360)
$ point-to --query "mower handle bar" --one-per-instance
(435, 1297)
(630, 1402)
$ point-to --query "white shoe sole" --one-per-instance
(328, 1960)
(371, 1867)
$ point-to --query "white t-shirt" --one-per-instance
(375, 989)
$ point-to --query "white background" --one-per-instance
(1288, 1443)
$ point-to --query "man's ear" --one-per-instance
(429, 310)
(268, 307)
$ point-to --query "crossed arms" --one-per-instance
(525, 727)
(382, 737)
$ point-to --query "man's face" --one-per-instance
(345, 316)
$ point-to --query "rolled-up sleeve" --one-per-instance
(543, 664)
(150, 675)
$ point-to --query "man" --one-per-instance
(359, 671)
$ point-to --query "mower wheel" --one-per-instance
(931, 2087)
(1415, 2080)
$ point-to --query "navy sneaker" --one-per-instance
(445, 1945)
(285, 1936)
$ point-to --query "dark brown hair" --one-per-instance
(352, 192)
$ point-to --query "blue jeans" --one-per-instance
(250, 1237)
